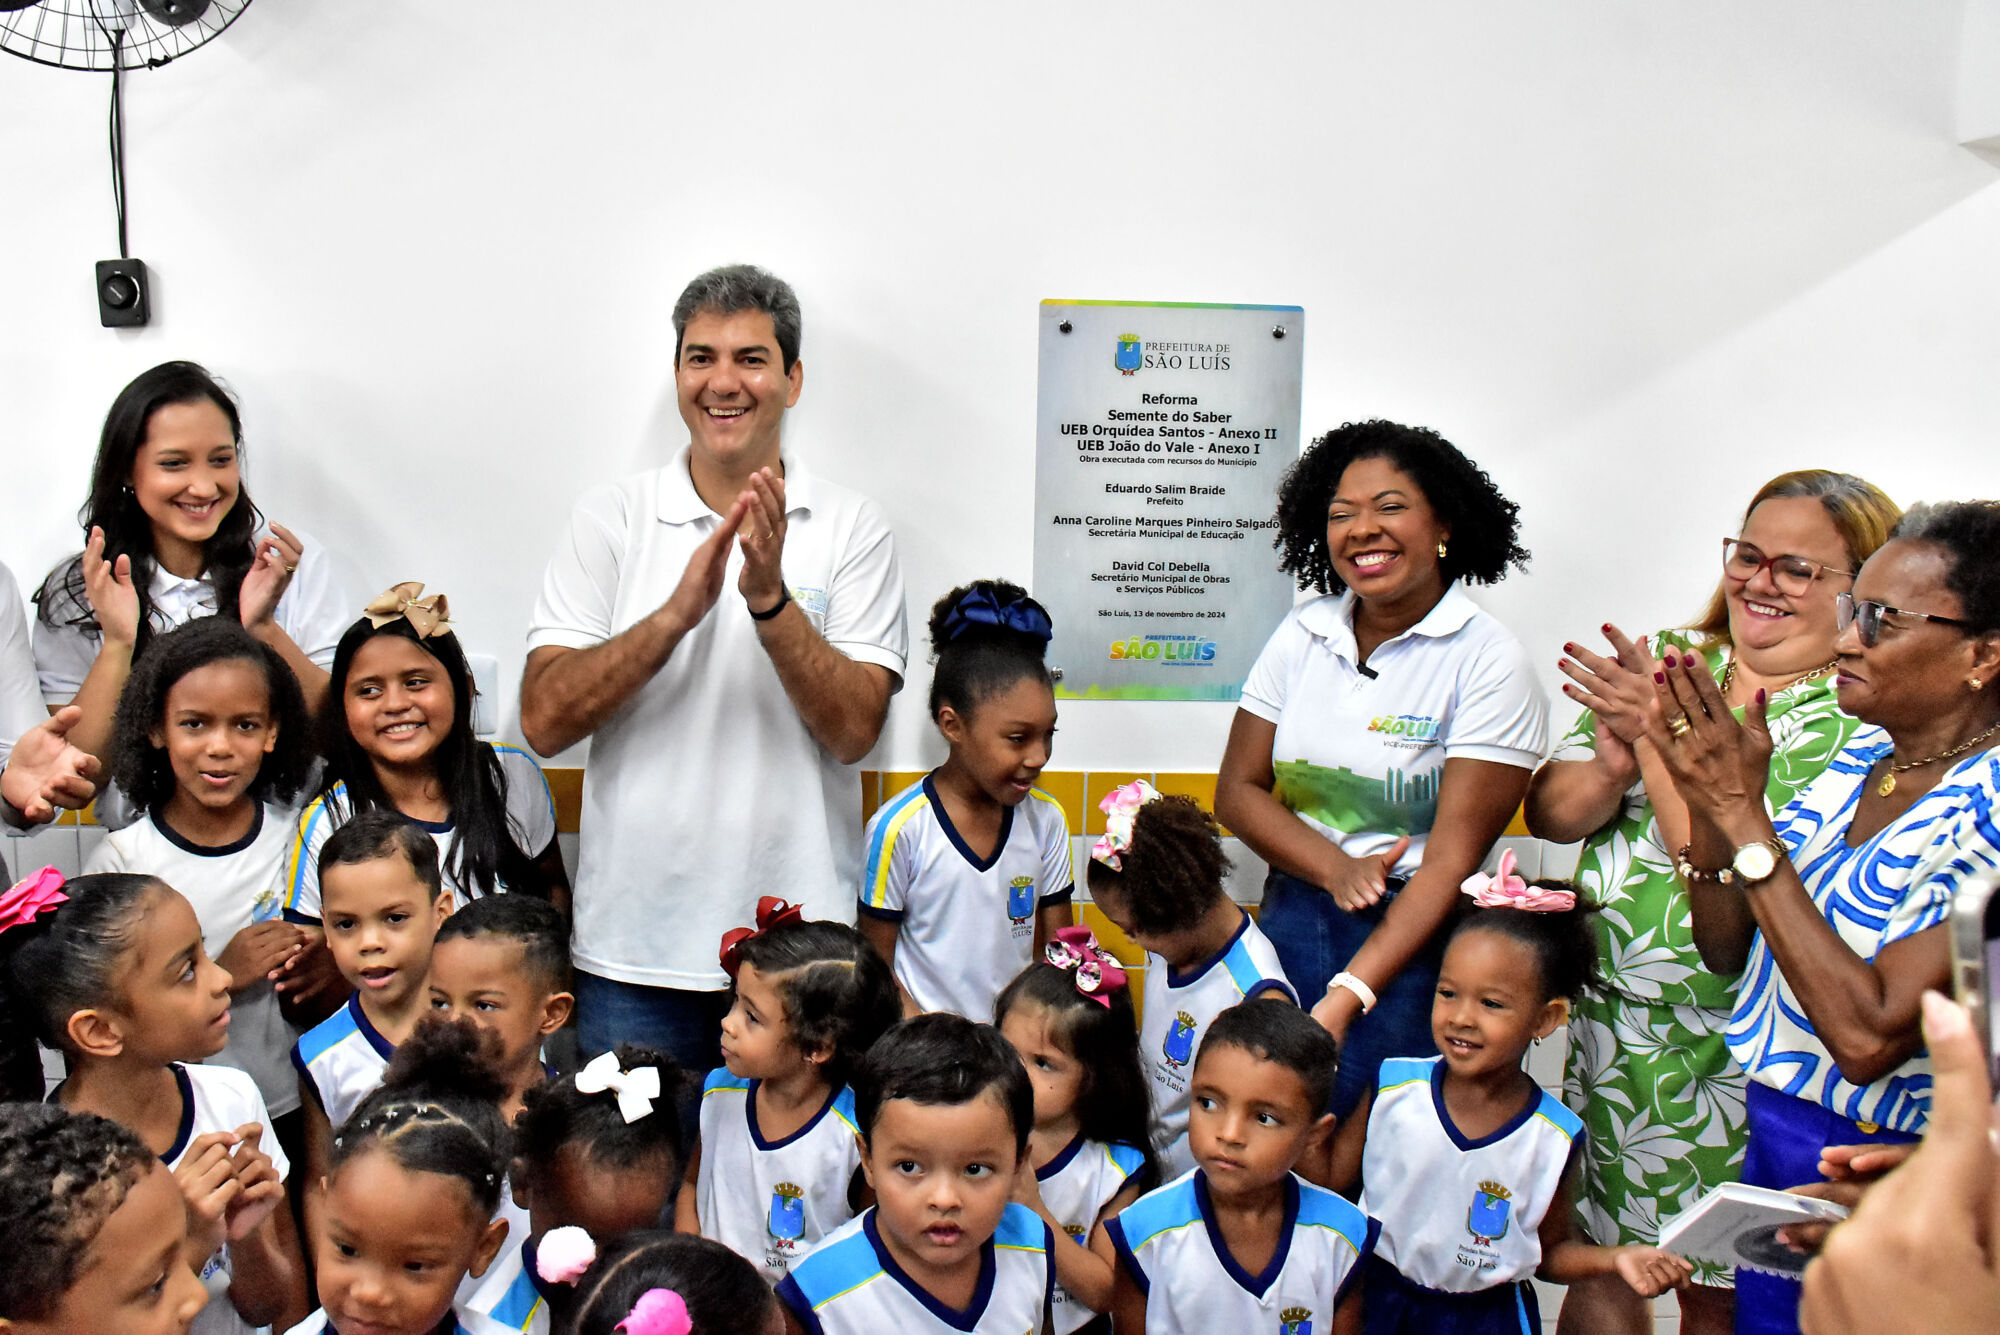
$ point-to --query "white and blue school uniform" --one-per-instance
(1461, 1218)
(508, 1297)
(531, 824)
(1893, 885)
(966, 924)
(1178, 1009)
(771, 1201)
(1076, 1185)
(217, 1098)
(851, 1285)
(462, 1323)
(1170, 1244)
(341, 1059)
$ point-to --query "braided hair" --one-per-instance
(724, 1293)
(437, 1110)
(62, 1175)
(837, 991)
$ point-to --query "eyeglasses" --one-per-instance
(1793, 575)
(1847, 609)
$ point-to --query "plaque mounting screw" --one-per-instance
(1065, 326)
(1277, 331)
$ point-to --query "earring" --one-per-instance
(1440, 549)
(1976, 684)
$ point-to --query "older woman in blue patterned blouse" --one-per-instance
(1834, 909)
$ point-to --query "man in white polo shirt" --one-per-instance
(727, 630)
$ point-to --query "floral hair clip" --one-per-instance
(979, 607)
(1098, 973)
(771, 911)
(1121, 808)
(427, 616)
(1506, 890)
(658, 1312)
(636, 1089)
(564, 1254)
(32, 898)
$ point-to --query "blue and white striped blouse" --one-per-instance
(1893, 886)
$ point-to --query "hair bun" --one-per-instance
(986, 603)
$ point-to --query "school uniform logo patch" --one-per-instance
(788, 1212)
(1488, 1217)
(1295, 1321)
(1021, 898)
(1179, 1047)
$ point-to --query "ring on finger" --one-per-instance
(1679, 726)
(291, 570)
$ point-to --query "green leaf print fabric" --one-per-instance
(1648, 1070)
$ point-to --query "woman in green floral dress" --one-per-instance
(1648, 1069)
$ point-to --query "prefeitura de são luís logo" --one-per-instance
(1131, 352)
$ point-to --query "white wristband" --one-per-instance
(1357, 987)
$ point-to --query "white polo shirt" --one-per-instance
(705, 790)
(1358, 754)
(20, 699)
(315, 611)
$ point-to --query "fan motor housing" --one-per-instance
(122, 297)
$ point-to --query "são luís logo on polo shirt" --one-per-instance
(1021, 899)
(1179, 1045)
(1295, 1321)
(1492, 1206)
(788, 1214)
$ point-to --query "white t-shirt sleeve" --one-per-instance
(1502, 712)
(1270, 679)
(865, 617)
(63, 652)
(21, 706)
(580, 587)
(109, 855)
(316, 825)
(318, 607)
(892, 859)
(531, 808)
(1057, 874)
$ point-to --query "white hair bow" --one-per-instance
(636, 1089)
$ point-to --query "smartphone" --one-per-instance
(1975, 957)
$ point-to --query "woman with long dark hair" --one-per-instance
(172, 534)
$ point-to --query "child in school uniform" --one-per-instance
(968, 872)
(1468, 1165)
(96, 1228)
(945, 1111)
(210, 747)
(1242, 1243)
(384, 905)
(653, 1283)
(778, 1164)
(503, 963)
(111, 970)
(1157, 874)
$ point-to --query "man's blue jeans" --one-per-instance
(685, 1025)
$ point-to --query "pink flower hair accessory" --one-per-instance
(31, 898)
(1098, 973)
(1504, 889)
(564, 1254)
(658, 1312)
(1121, 808)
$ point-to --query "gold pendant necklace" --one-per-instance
(1729, 677)
(1888, 784)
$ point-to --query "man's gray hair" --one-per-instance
(742, 287)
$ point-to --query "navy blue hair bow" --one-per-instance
(979, 607)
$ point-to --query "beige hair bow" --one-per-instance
(427, 616)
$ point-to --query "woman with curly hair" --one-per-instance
(1649, 1071)
(1386, 733)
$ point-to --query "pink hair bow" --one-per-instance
(1506, 890)
(658, 1312)
(1121, 808)
(1098, 973)
(31, 897)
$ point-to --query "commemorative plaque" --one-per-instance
(1162, 431)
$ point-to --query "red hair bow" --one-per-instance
(771, 911)
(1097, 971)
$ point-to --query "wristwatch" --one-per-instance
(1757, 862)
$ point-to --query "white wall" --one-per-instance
(1634, 259)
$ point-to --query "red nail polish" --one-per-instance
(1569, 648)
(1660, 678)
(1671, 662)
(1760, 695)
(1606, 628)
